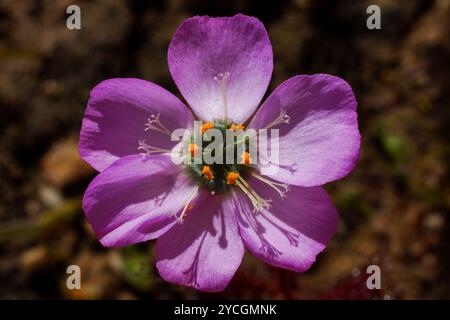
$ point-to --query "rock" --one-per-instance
(34, 259)
(62, 165)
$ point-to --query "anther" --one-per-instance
(206, 126)
(245, 158)
(207, 172)
(192, 149)
(235, 127)
(232, 177)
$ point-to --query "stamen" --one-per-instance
(235, 127)
(222, 80)
(206, 126)
(232, 177)
(281, 188)
(154, 123)
(207, 172)
(187, 206)
(258, 203)
(245, 158)
(282, 118)
(148, 149)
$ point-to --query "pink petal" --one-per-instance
(293, 231)
(204, 47)
(115, 118)
(133, 199)
(321, 142)
(205, 251)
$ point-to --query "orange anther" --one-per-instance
(206, 126)
(206, 170)
(245, 158)
(237, 127)
(232, 177)
(192, 148)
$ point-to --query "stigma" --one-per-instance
(147, 150)
(154, 123)
(280, 188)
(187, 206)
(259, 203)
(283, 117)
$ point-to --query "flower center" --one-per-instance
(222, 174)
(225, 172)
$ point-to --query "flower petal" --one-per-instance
(293, 231)
(115, 118)
(205, 251)
(321, 142)
(204, 47)
(133, 199)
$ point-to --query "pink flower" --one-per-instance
(222, 66)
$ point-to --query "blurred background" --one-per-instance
(394, 206)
